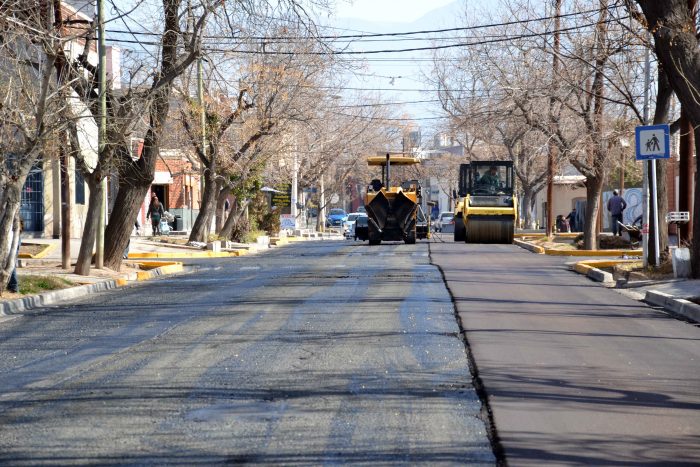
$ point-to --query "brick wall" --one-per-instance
(185, 181)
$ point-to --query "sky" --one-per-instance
(399, 77)
(400, 11)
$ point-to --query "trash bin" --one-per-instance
(177, 223)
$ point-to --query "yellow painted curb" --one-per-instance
(170, 268)
(49, 248)
(582, 267)
(592, 252)
(529, 246)
(540, 235)
(607, 263)
(195, 254)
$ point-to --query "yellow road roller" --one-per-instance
(487, 208)
(392, 211)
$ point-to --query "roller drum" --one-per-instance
(489, 229)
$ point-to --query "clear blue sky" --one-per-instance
(400, 11)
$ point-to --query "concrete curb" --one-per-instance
(591, 269)
(49, 298)
(529, 246)
(55, 296)
(593, 252)
(542, 234)
(548, 251)
(593, 273)
(196, 254)
(679, 306)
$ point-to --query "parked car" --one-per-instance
(349, 224)
(445, 222)
(336, 217)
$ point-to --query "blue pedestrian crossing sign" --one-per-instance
(653, 142)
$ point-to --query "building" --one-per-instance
(40, 206)
(177, 185)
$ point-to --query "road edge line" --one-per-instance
(486, 412)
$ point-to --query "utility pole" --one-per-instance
(686, 166)
(686, 170)
(102, 133)
(65, 206)
(203, 125)
(552, 149)
(645, 166)
(295, 180)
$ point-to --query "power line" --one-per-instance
(386, 34)
(368, 52)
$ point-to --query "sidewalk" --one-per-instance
(48, 263)
(148, 258)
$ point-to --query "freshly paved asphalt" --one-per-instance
(575, 374)
(315, 353)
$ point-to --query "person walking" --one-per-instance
(155, 212)
(573, 220)
(616, 206)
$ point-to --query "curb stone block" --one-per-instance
(680, 306)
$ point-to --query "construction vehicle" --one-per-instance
(393, 210)
(487, 208)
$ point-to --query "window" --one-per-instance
(79, 188)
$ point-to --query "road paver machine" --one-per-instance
(487, 208)
(393, 211)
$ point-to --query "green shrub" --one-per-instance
(38, 284)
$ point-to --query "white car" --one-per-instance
(349, 224)
(445, 222)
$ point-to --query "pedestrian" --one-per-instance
(573, 220)
(616, 206)
(155, 212)
(18, 226)
(562, 224)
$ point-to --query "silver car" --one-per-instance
(445, 222)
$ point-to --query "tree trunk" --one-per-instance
(202, 224)
(528, 202)
(220, 212)
(121, 222)
(594, 188)
(234, 217)
(695, 244)
(7, 225)
(87, 242)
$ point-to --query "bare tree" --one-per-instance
(30, 107)
(672, 24)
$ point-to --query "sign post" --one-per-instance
(653, 142)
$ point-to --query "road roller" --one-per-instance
(392, 210)
(487, 208)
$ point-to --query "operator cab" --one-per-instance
(490, 178)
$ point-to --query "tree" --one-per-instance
(672, 24)
(30, 107)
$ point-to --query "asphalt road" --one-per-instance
(315, 353)
(575, 374)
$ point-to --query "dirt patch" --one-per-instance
(544, 242)
(172, 241)
(637, 272)
(31, 249)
